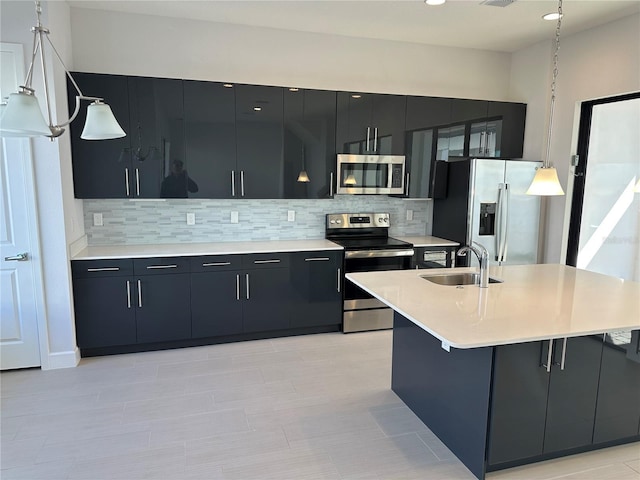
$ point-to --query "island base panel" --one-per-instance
(448, 391)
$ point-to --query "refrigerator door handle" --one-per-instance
(505, 232)
(498, 236)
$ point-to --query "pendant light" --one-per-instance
(302, 176)
(22, 117)
(545, 182)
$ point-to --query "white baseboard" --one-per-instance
(62, 360)
(76, 246)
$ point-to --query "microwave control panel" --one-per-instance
(397, 176)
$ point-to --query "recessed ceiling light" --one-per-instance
(257, 109)
(434, 2)
(551, 16)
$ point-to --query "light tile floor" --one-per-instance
(310, 407)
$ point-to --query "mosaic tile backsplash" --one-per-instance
(149, 222)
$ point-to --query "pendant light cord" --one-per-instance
(547, 163)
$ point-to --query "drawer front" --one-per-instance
(266, 260)
(214, 263)
(102, 268)
(160, 265)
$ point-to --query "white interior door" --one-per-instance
(19, 344)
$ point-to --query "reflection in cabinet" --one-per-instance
(210, 138)
(370, 123)
(259, 142)
(101, 169)
(309, 143)
(157, 138)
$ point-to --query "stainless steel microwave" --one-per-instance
(370, 174)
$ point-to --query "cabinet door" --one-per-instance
(505, 127)
(468, 134)
(210, 139)
(162, 307)
(101, 167)
(216, 307)
(618, 411)
(259, 130)
(354, 132)
(388, 124)
(104, 311)
(309, 142)
(573, 391)
(518, 402)
(267, 293)
(157, 139)
(316, 283)
(425, 117)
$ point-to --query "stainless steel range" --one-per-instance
(368, 247)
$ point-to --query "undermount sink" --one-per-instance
(456, 279)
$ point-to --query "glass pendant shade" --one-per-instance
(101, 124)
(303, 177)
(22, 117)
(545, 183)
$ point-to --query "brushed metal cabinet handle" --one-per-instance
(242, 183)
(564, 353)
(238, 286)
(128, 294)
(266, 261)
(375, 139)
(126, 180)
(368, 137)
(331, 184)
(104, 269)
(247, 279)
(547, 365)
(339, 278)
(139, 294)
(233, 183)
(137, 182)
(160, 267)
(216, 264)
(407, 186)
(317, 259)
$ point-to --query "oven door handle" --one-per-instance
(378, 253)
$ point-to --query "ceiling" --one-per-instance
(457, 23)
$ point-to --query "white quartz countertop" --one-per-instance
(196, 249)
(535, 302)
(428, 241)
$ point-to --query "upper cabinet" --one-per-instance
(210, 139)
(259, 142)
(309, 143)
(101, 168)
(486, 129)
(370, 123)
(157, 139)
(426, 118)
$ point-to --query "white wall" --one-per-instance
(110, 42)
(59, 214)
(599, 62)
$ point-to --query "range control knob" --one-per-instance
(338, 221)
(332, 221)
(386, 220)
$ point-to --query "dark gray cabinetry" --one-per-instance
(259, 142)
(157, 138)
(506, 120)
(210, 138)
(369, 123)
(316, 279)
(101, 168)
(618, 410)
(535, 412)
(162, 299)
(426, 116)
(103, 292)
(309, 142)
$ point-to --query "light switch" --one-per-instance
(191, 218)
(97, 220)
(291, 216)
(234, 217)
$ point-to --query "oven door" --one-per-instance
(370, 174)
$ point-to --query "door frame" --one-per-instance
(580, 173)
(25, 148)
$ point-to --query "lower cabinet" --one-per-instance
(124, 302)
(537, 411)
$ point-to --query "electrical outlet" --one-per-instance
(191, 218)
(234, 217)
(409, 215)
(291, 216)
(97, 220)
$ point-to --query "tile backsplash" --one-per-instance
(157, 221)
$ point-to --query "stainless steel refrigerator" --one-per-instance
(484, 200)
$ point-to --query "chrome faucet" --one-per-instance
(483, 258)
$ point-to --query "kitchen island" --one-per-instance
(543, 364)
